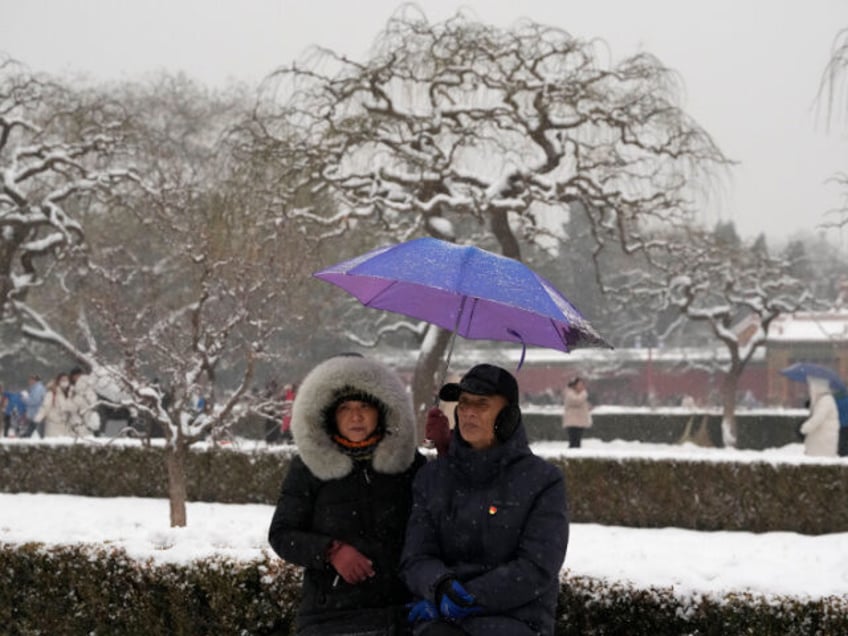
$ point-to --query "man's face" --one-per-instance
(356, 420)
(476, 415)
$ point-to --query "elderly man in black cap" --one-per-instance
(489, 527)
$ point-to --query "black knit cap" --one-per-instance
(483, 379)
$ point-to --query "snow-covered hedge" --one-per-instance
(100, 590)
(97, 591)
(649, 492)
(699, 494)
(757, 429)
(594, 606)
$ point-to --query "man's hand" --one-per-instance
(353, 566)
(437, 429)
(422, 611)
(455, 603)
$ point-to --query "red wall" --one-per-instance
(632, 385)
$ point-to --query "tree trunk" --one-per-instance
(700, 436)
(175, 458)
(427, 368)
(499, 223)
(728, 416)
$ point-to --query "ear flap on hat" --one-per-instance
(507, 421)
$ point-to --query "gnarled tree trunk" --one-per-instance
(427, 373)
(729, 432)
(175, 459)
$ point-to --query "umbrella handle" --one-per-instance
(512, 332)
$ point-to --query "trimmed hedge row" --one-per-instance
(648, 493)
(597, 607)
(756, 429)
(87, 590)
(94, 590)
(93, 469)
(808, 498)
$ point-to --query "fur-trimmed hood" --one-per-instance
(394, 453)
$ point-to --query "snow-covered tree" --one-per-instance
(714, 279)
(59, 152)
(186, 283)
(468, 132)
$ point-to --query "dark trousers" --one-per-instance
(32, 427)
(440, 628)
(843, 441)
(575, 436)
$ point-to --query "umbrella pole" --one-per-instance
(450, 352)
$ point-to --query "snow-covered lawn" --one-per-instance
(781, 563)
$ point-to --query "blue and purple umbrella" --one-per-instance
(470, 291)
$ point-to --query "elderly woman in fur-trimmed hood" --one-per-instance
(344, 503)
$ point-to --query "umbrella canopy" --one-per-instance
(473, 292)
(801, 370)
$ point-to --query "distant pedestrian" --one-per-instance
(34, 397)
(821, 429)
(4, 400)
(289, 394)
(54, 416)
(14, 413)
(577, 415)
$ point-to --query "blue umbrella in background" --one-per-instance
(799, 372)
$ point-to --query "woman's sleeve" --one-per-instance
(290, 534)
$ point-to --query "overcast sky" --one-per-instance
(751, 67)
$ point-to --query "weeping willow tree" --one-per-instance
(472, 133)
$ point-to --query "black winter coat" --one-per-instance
(366, 509)
(328, 495)
(497, 521)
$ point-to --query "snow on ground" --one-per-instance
(781, 563)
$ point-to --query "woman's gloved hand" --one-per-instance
(353, 566)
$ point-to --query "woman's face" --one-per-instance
(356, 420)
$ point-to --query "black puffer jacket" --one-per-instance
(328, 496)
(497, 521)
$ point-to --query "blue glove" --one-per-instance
(422, 611)
(456, 603)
